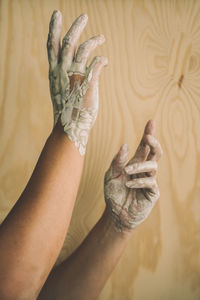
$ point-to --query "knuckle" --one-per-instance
(87, 44)
(66, 42)
(82, 48)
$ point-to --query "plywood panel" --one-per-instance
(154, 72)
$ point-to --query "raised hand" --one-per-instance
(131, 189)
(73, 85)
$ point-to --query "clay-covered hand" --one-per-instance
(73, 84)
(131, 189)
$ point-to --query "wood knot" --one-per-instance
(180, 80)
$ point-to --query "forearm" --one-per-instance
(84, 273)
(33, 233)
(129, 201)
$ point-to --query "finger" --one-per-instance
(150, 127)
(141, 154)
(119, 161)
(121, 157)
(85, 50)
(150, 130)
(53, 42)
(143, 149)
(148, 184)
(141, 167)
(91, 98)
(140, 183)
(94, 69)
(70, 40)
(155, 147)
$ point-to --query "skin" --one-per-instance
(131, 192)
(33, 233)
(76, 109)
(85, 272)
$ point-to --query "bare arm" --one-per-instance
(84, 273)
(33, 233)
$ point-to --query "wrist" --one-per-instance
(76, 133)
(58, 129)
(61, 140)
(111, 226)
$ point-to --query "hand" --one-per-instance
(73, 85)
(131, 190)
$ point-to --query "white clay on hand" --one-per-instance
(140, 183)
(141, 167)
(76, 105)
(131, 190)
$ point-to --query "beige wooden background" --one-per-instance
(153, 48)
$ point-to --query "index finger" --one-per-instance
(155, 147)
(150, 128)
(143, 149)
(53, 42)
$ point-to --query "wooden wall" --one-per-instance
(153, 48)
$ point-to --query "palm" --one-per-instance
(126, 204)
(131, 205)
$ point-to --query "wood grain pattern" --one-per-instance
(153, 48)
